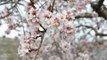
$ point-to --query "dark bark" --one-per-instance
(98, 8)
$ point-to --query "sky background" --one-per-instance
(3, 28)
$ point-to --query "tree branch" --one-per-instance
(3, 3)
(9, 13)
(97, 8)
(51, 7)
(86, 15)
(42, 35)
(92, 28)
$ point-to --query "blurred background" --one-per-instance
(8, 49)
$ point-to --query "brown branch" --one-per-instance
(101, 34)
(100, 3)
(1, 17)
(42, 35)
(32, 3)
(9, 13)
(40, 45)
(97, 8)
(15, 4)
(51, 7)
(6, 2)
(92, 28)
(86, 15)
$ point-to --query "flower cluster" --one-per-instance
(47, 25)
(50, 32)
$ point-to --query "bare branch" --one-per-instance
(95, 30)
(3, 3)
(51, 7)
(97, 8)
(9, 13)
(86, 15)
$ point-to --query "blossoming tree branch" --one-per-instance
(47, 25)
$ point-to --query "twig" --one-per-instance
(40, 45)
(42, 35)
(51, 7)
(96, 32)
(21, 20)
